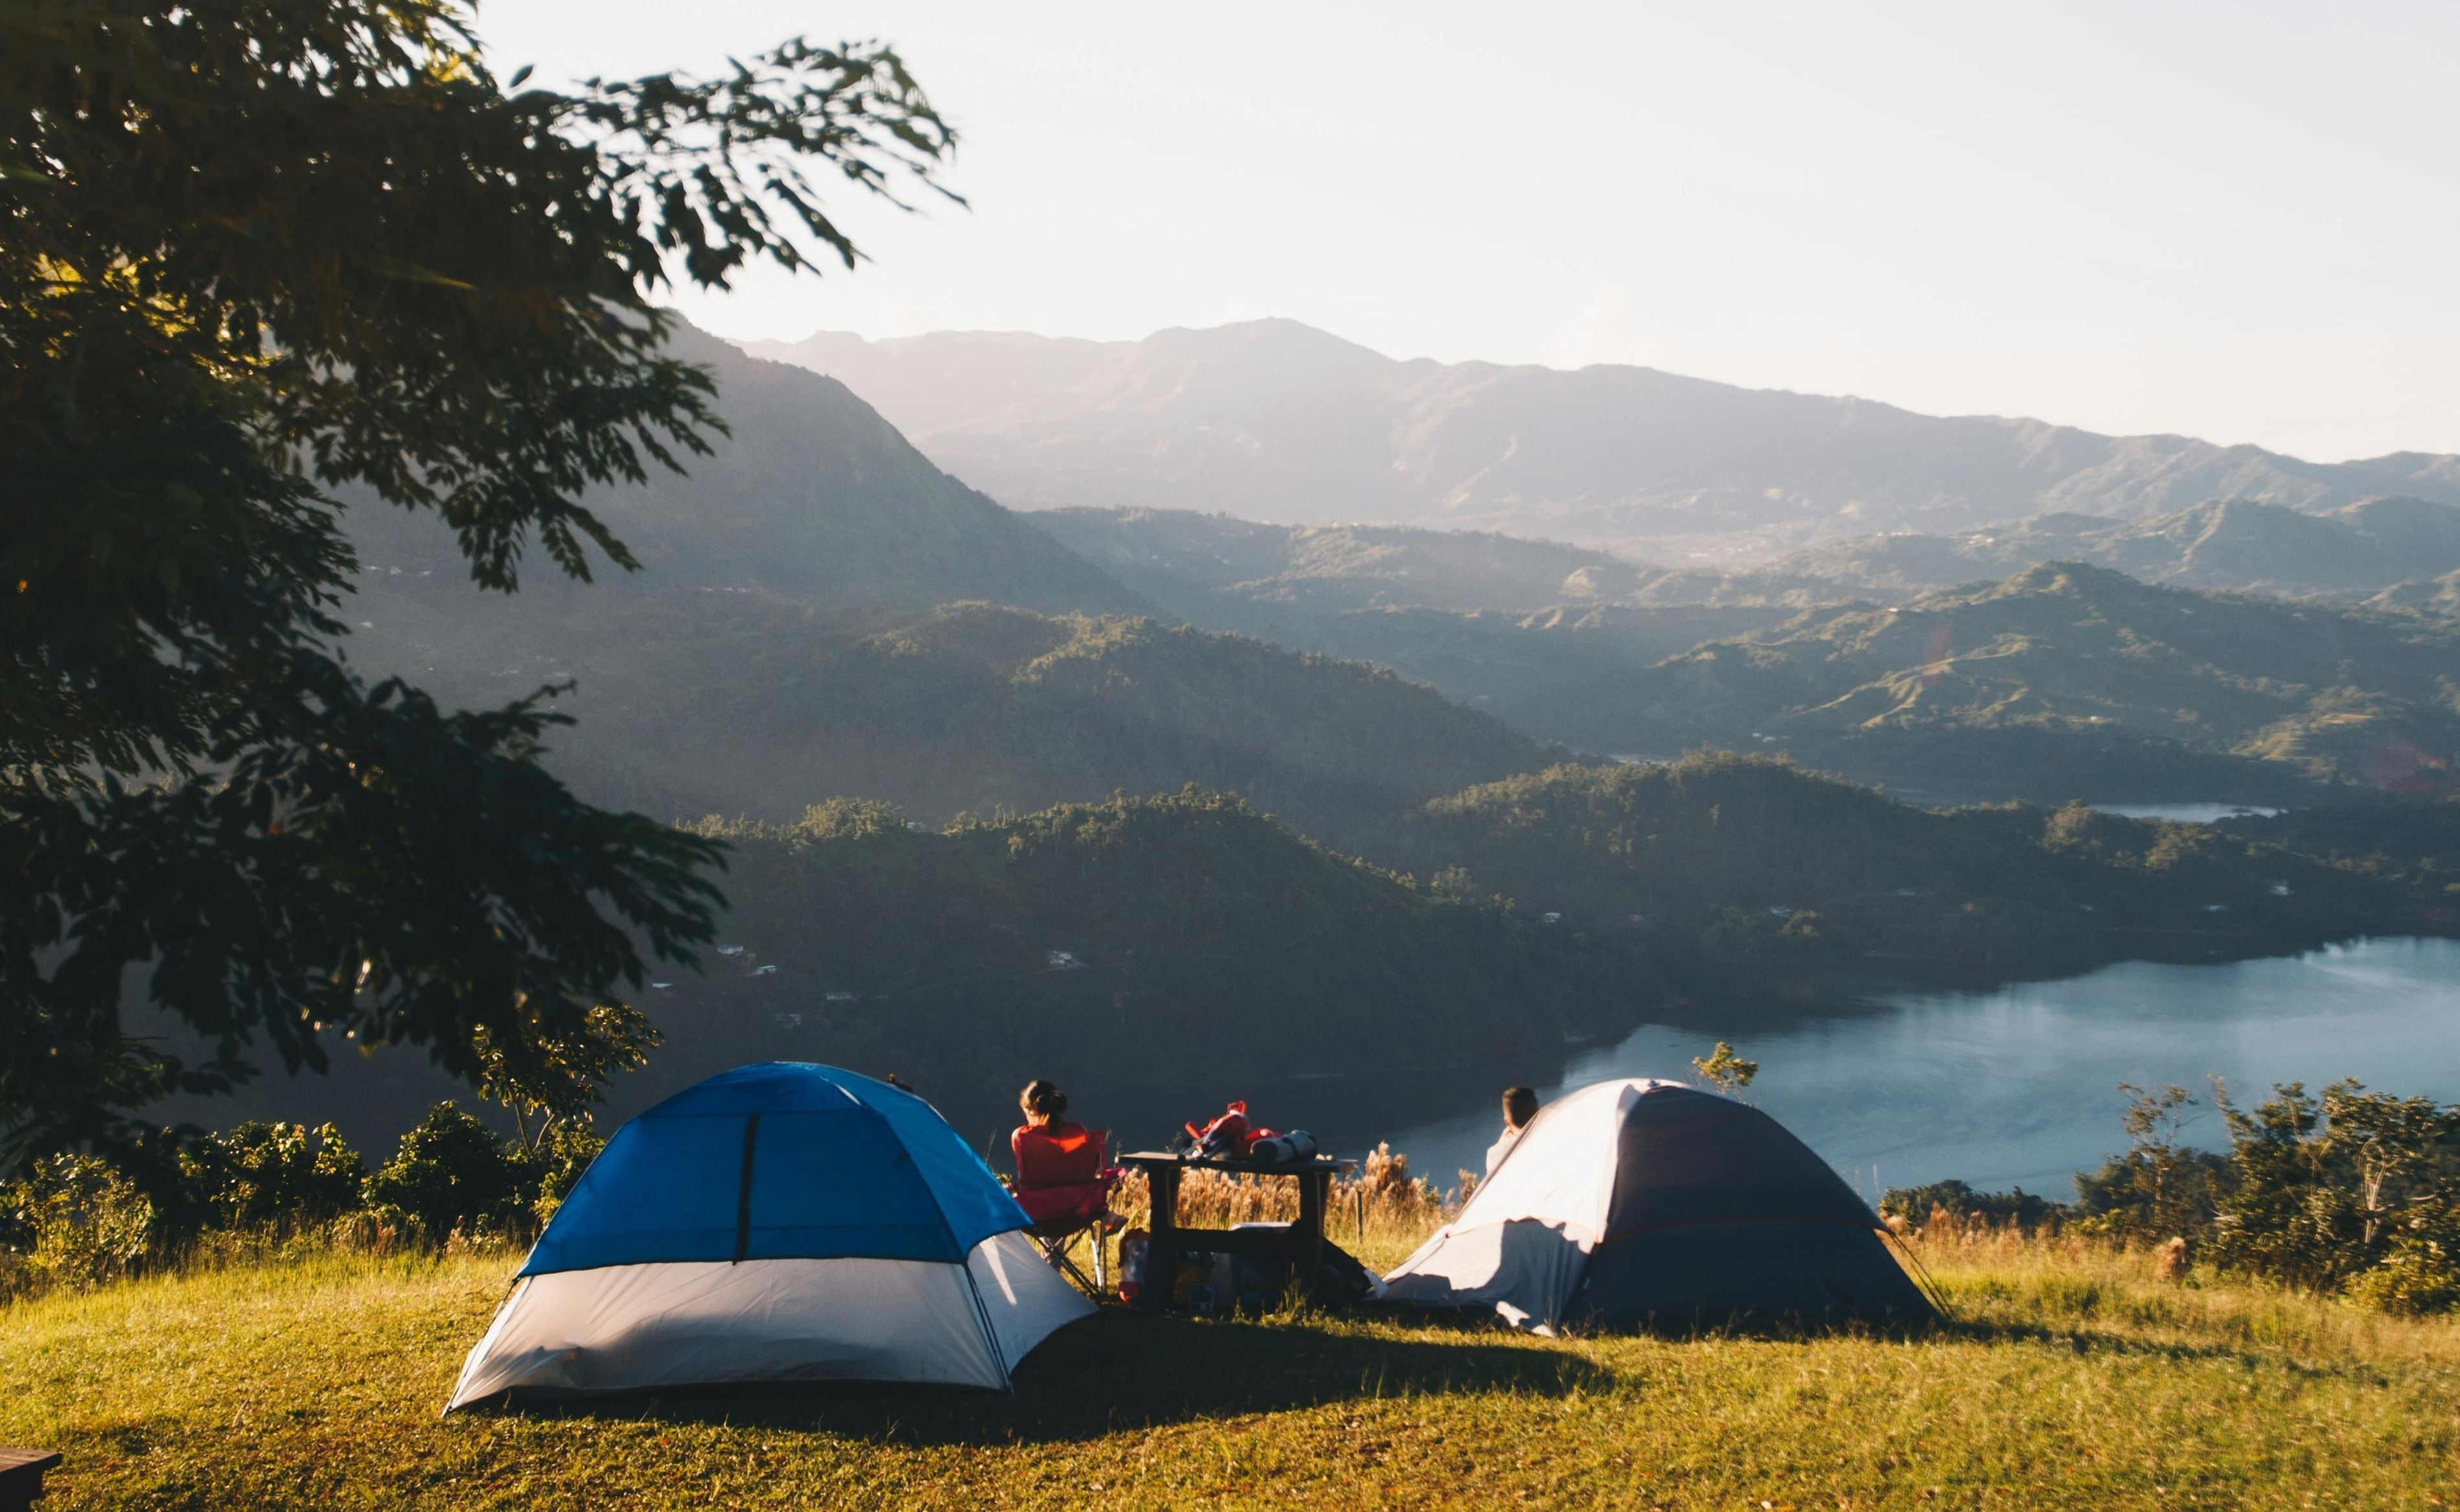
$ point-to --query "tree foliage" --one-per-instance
(252, 251)
(1724, 1070)
(2160, 1188)
(2333, 1188)
(267, 1177)
(562, 1080)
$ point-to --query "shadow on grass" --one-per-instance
(1119, 1370)
(2085, 1337)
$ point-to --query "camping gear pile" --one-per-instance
(1206, 1281)
(1232, 1137)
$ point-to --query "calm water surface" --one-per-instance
(2185, 813)
(2018, 1086)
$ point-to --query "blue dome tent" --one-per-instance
(779, 1222)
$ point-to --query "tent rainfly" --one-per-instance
(775, 1222)
(1628, 1202)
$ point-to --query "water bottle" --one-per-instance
(1134, 1247)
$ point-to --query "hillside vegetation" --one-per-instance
(1271, 417)
(1188, 941)
(2046, 687)
(1162, 939)
(740, 703)
(2415, 841)
(2064, 648)
(1180, 940)
(1715, 864)
(2397, 546)
(813, 498)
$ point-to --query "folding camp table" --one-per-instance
(1300, 1243)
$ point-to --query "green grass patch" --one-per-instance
(2072, 1379)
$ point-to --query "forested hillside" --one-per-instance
(1187, 945)
(1171, 939)
(2412, 840)
(2064, 650)
(1724, 862)
(741, 704)
(811, 498)
(1182, 940)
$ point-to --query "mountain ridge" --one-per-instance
(1276, 421)
(812, 496)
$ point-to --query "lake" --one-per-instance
(2186, 813)
(2018, 1086)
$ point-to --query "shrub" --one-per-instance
(2419, 1273)
(1915, 1204)
(451, 1174)
(549, 1170)
(2330, 1188)
(269, 1176)
(2143, 1195)
(2159, 1189)
(73, 1220)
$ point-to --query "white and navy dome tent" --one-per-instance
(775, 1222)
(1632, 1201)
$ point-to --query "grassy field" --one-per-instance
(2072, 1378)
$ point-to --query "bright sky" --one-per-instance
(2238, 221)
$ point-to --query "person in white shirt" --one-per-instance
(1520, 1106)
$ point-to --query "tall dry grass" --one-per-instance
(1378, 1211)
(2001, 1278)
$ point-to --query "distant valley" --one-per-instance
(976, 763)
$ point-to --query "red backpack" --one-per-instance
(1227, 1137)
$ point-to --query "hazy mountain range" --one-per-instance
(790, 640)
(1208, 565)
(2400, 544)
(1277, 422)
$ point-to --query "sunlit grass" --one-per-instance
(2072, 1378)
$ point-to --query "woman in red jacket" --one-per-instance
(1061, 1169)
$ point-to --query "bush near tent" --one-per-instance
(269, 1176)
(453, 1174)
(79, 1220)
(2347, 1192)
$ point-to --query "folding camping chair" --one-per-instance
(1062, 1183)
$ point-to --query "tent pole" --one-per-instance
(983, 1316)
(1921, 1272)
